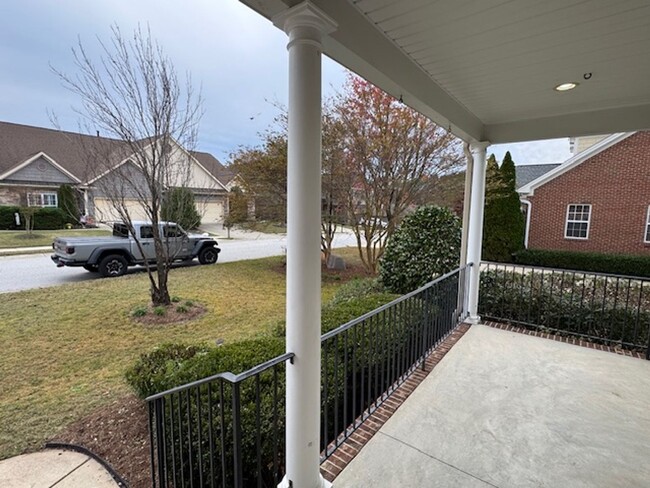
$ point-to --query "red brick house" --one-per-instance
(596, 201)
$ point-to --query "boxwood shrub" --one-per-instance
(582, 261)
(607, 312)
(44, 218)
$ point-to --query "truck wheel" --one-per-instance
(91, 267)
(112, 266)
(208, 255)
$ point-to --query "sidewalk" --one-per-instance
(54, 468)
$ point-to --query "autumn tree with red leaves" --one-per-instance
(396, 157)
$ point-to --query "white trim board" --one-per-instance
(529, 189)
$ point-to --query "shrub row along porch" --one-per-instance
(229, 430)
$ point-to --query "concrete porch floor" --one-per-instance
(508, 410)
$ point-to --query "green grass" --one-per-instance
(20, 238)
(65, 349)
(264, 226)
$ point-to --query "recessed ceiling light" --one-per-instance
(566, 86)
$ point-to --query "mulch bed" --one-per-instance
(118, 433)
(171, 316)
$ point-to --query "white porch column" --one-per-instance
(475, 239)
(305, 25)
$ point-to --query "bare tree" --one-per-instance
(394, 154)
(132, 94)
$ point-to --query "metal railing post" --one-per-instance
(238, 471)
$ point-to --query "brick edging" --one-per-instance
(576, 341)
(346, 452)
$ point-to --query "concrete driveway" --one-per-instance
(512, 411)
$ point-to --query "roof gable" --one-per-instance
(42, 168)
(569, 164)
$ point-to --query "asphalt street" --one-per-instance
(38, 271)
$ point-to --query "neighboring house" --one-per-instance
(35, 162)
(596, 201)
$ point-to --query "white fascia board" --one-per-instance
(529, 188)
(31, 159)
(596, 122)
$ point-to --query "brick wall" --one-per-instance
(616, 183)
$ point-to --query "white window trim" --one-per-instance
(566, 222)
(40, 196)
(647, 227)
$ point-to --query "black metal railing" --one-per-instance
(609, 309)
(229, 430)
(365, 360)
(223, 431)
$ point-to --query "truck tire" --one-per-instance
(113, 266)
(208, 255)
(91, 267)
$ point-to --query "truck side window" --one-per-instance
(120, 230)
(171, 231)
(146, 232)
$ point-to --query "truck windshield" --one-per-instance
(120, 230)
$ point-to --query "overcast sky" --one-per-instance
(236, 56)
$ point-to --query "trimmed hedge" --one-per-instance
(582, 261)
(172, 365)
(44, 218)
(587, 306)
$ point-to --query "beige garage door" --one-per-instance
(104, 211)
(211, 212)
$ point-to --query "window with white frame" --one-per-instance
(46, 199)
(578, 218)
(647, 226)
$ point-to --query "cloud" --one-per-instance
(236, 56)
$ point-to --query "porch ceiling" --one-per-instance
(487, 68)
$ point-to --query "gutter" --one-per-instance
(528, 211)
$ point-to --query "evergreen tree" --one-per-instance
(179, 206)
(504, 226)
(68, 202)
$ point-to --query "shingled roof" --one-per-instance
(526, 173)
(70, 149)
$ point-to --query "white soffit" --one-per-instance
(487, 68)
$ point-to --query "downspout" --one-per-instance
(529, 208)
(466, 204)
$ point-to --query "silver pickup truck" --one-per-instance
(111, 256)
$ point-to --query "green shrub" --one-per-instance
(139, 311)
(44, 218)
(182, 365)
(573, 304)
(179, 206)
(356, 288)
(189, 303)
(182, 309)
(175, 299)
(8, 219)
(426, 245)
(159, 311)
(156, 370)
(601, 263)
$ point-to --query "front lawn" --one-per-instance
(20, 238)
(65, 349)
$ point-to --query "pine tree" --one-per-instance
(503, 228)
